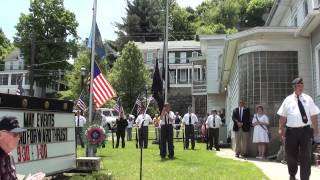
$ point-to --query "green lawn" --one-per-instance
(199, 164)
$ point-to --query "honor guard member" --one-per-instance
(213, 124)
(189, 120)
(143, 121)
(80, 120)
(166, 132)
(297, 113)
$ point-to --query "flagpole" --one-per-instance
(90, 152)
(166, 54)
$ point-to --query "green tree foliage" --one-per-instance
(181, 22)
(73, 76)
(255, 11)
(129, 75)
(142, 22)
(5, 46)
(52, 30)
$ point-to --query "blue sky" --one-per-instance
(109, 11)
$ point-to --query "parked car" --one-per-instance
(109, 116)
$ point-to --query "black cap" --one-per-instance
(297, 80)
(10, 124)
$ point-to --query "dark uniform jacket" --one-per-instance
(245, 119)
(121, 124)
(7, 167)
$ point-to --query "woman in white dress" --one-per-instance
(260, 122)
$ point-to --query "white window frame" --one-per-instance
(183, 57)
(172, 58)
(195, 54)
(149, 57)
(317, 64)
(185, 75)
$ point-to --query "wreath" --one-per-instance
(95, 135)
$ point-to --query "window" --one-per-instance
(4, 79)
(195, 54)
(172, 58)
(26, 79)
(183, 57)
(305, 8)
(149, 57)
(295, 21)
(15, 78)
(172, 74)
(11, 65)
(183, 74)
(197, 74)
(20, 65)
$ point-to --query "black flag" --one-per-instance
(157, 87)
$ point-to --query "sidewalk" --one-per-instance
(274, 170)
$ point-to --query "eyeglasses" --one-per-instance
(11, 133)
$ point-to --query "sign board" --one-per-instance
(48, 145)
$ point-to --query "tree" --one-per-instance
(5, 46)
(142, 22)
(73, 76)
(181, 21)
(50, 30)
(255, 11)
(129, 75)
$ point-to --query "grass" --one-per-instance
(199, 164)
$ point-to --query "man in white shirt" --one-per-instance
(297, 113)
(213, 124)
(142, 122)
(166, 132)
(80, 120)
(129, 127)
(189, 120)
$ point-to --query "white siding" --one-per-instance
(213, 81)
(215, 102)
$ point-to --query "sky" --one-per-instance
(108, 12)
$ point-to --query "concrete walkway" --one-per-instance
(274, 170)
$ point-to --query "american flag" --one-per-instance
(81, 104)
(118, 106)
(102, 89)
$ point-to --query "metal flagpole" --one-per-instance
(93, 40)
(166, 54)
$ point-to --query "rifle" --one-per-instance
(207, 134)
(184, 145)
(137, 138)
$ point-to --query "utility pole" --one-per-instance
(166, 63)
(32, 58)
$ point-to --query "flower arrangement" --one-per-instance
(95, 134)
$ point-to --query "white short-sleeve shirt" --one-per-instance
(171, 116)
(217, 121)
(145, 118)
(185, 119)
(290, 109)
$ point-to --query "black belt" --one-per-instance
(302, 127)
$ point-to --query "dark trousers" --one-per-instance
(129, 134)
(120, 133)
(298, 148)
(190, 135)
(79, 136)
(143, 137)
(166, 138)
(214, 136)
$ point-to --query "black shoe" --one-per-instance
(218, 149)
(292, 178)
(237, 156)
(171, 158)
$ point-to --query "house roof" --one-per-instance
(311, 22)
(232, 44)
(13, 56)
(171, 45)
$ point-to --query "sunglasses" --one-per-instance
(11, 133)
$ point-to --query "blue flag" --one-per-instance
(100, 51)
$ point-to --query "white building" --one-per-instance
(260, 63)
(14, 70)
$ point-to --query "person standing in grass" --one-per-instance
(177, 124)
(166, 140)
(260, 122)
(156, 122)
(189, 120)
(129, 127)
(143, 121)
(121, 123)
(213, 124)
